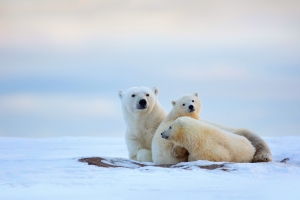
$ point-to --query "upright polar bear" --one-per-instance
(206, 142)
(142, 114)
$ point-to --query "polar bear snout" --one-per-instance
(142, 104)
(163, 135)
(191, 108)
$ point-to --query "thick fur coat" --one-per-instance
(142, 115)
(206, 142)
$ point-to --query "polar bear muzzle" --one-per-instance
(191, 108)
(163, 135)
(142, 104)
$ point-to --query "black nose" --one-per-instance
(143, 102)
(191, 107)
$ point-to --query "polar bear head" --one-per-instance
(187, 105)
(176, 130)
(139, 99)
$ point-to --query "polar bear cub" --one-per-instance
(206, 142)
(164, 151)
(142, 115)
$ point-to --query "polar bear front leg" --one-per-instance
(179, 152)
(133, 147)
(144, 155)
(136, 152)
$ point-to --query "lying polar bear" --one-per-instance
(206, 142)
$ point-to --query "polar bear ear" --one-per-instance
(155, 90)
(173, 103)
(196, 94)
(120, 94)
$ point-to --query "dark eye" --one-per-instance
(133, 95)
(183, 104)
(192, 100)
(170, 127)
(147, 95)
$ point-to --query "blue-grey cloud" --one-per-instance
(63, 62)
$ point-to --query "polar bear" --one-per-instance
(206, 142)
(142, 115)
(164, 151)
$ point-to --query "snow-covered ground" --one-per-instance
(48, 169)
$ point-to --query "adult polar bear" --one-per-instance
(143, 114)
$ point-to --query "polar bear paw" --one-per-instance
(179, 152)
(262, 157)
(144, 155)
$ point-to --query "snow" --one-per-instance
(48, 169)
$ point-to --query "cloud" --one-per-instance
(57, 106)
(245, 51)
(215, 72)
(61, 23)
(237, 81)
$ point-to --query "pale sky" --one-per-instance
(62, 63)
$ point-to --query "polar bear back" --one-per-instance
(206, 142)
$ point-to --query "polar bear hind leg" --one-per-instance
(263, 152)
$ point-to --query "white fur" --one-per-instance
(206, 142)
(161, 148)
(263, 152)
(141, 124)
